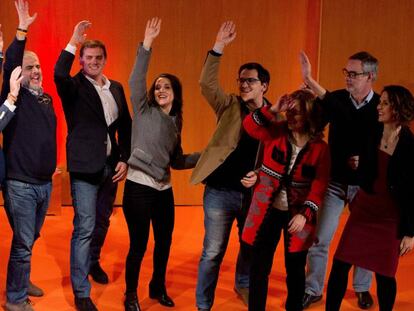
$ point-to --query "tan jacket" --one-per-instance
(229, 121)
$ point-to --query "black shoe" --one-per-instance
(162, 298)
(365, 300)
(85, 304)
(131, 302)
(98, 274)
(308, 299)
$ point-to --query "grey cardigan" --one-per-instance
(156, 139)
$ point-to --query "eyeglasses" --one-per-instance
(249, 81)
(353, 74)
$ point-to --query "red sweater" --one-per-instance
(305, 184)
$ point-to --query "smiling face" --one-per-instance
(296, 117)
(93, 62)
(386, 113)
(250, 87)
(163, 93)
(31, 71)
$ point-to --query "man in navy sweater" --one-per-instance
(353, 119)
(30, 151)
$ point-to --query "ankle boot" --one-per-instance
(131, 302)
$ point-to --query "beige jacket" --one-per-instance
(229, 121)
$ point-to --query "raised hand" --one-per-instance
(305, 66)
(1, 39)
(15, 81)
(25, 20)
(152, 30)
(284, 103)
(226, 34)
(79, 33)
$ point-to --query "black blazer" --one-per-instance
(400, 175)
(87, 128)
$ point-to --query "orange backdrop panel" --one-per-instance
(268, 31)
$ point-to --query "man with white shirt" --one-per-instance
(97, 149)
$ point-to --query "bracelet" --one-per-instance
(11, 97)
(22, 30)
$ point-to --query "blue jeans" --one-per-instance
(337, 195)
(26, 206)
(221, 208)
(92, 203)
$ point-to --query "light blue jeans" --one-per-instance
(26, 206)
(221, 208)
(337, 196)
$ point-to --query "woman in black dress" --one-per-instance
(380, 227)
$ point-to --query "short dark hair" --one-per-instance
(92, 44)
(177, 105)
(369, 62)
(262, 73)
(401, 101)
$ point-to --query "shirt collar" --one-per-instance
(105, 86)
(366, 100)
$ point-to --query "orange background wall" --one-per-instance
(271, 32)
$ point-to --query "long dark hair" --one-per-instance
(177, 105)
(401, 101)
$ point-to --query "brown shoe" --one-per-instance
(20, 306)
(243, 294)
(34, 290)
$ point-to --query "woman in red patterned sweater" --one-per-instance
(292, 183)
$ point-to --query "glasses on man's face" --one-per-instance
(352, 74)
(249, 81)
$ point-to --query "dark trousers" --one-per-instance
(264, 249)
(142, 205)
(338, 281)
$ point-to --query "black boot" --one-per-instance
(131, 302)
(161, 295)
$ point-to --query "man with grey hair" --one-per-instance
(352, 117)
(30, 151)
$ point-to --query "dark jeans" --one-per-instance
(142, 205)
(26, 206)
(264, 249)
(93, 197)
(338, 281)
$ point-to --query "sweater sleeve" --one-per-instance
(138, 79)
(14, 58)
(319, 184)
(259, 125)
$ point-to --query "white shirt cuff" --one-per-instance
(71, 49)
(9, 105)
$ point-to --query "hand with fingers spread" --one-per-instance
(152, 31)
(15, 81)
(79, 32)
(406, 245)
(25, 20)
(249, 180)
(226, 34)
(283, 104)
(296, 224)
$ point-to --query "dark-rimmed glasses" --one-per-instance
(353, 74)
(249, 81)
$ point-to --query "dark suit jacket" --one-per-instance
(87, 129)
(5, 115)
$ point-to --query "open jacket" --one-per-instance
(305, 184)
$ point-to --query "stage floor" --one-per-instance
(50, 268)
